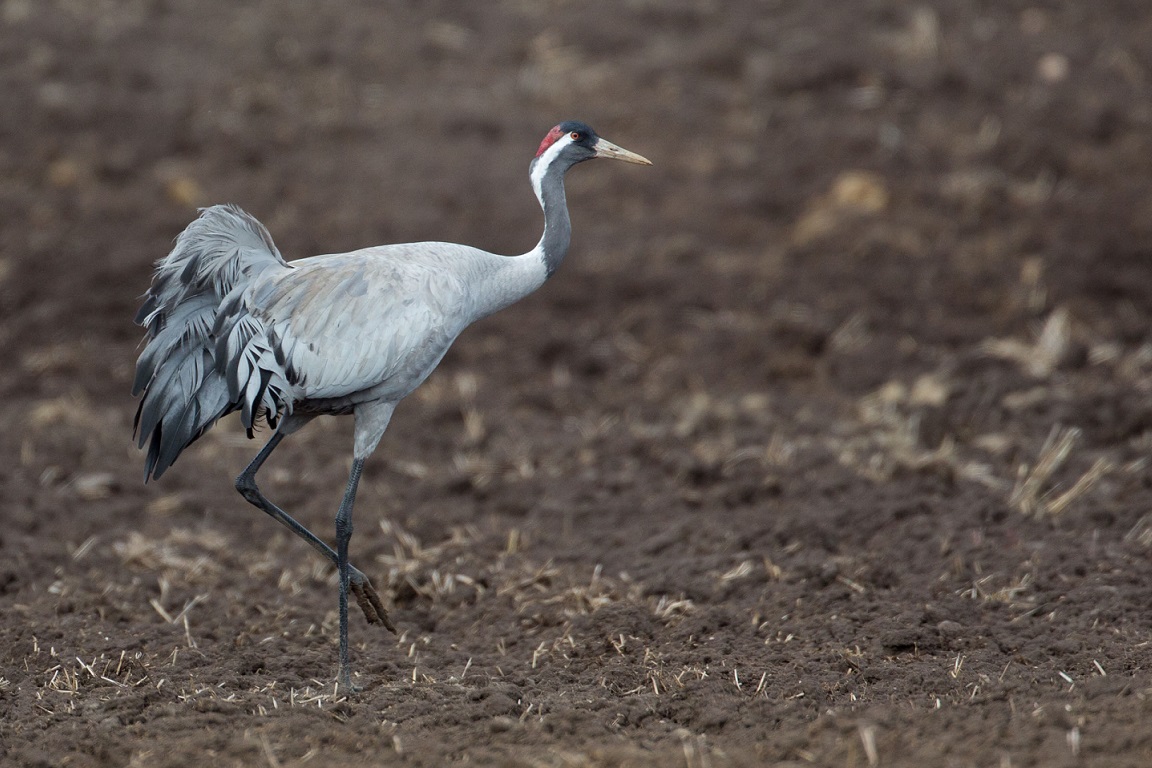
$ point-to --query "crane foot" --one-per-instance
(344, 682)
(369, 601)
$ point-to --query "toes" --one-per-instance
(345, 685)
(371, 606)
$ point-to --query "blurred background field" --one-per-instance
(827, 445)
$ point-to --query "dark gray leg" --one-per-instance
(343, 536)
(365, 593)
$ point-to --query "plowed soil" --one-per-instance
(828, 444)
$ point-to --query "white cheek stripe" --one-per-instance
(546, 160)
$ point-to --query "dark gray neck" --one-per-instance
(557, 225)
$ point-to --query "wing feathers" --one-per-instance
(376, 320)
(232, 327)
(183, 392)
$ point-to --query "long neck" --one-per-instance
(514, 277)
(557, 226)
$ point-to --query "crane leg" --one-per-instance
(343, 536)
(362, 588)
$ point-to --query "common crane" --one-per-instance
(232, 326)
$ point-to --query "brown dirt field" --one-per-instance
(828, 445)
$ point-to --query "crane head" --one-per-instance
(573, 142)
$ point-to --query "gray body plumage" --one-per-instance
(233, 327)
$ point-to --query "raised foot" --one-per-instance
(370, 604)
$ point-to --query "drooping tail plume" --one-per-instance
(184, 387)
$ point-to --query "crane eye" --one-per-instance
(575, 135)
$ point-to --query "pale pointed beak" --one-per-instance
(605, 148)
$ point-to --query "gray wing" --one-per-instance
(375, 321)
